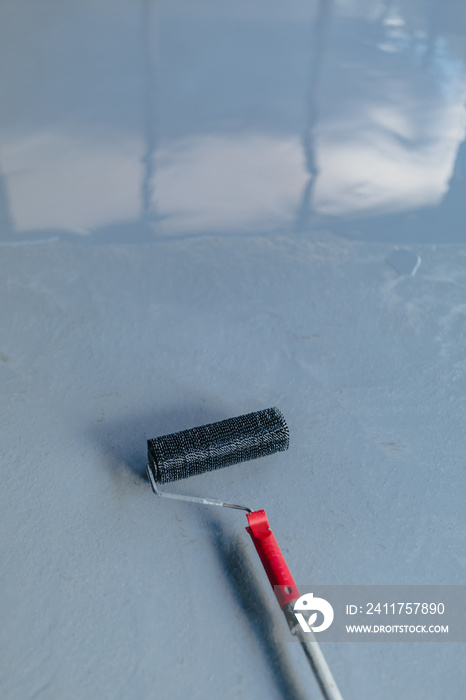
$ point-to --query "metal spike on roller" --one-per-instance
(217, 445)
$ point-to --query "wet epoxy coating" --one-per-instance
(236, 205)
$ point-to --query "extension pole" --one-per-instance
(287, 594)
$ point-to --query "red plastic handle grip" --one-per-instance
(271, 557)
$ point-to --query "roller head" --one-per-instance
(208, 447)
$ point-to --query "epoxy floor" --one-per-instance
(208, 208)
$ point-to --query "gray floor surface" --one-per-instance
(207, 209)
